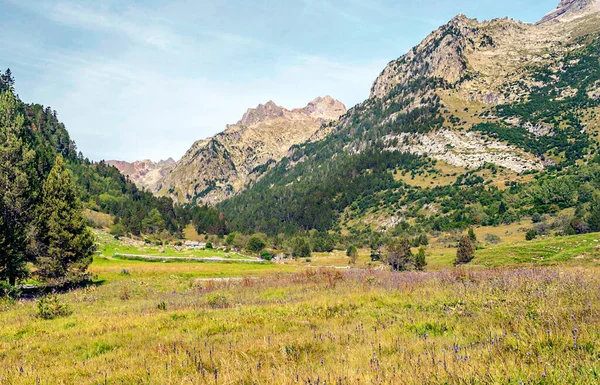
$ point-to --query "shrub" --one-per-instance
(162, 306)
(266, 255)
(9, 291)
(492, 239)
(465, 252)
(51, 307)
(218, 301)
(537, 218)
(531, 235)
(209, 245)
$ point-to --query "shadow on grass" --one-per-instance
(34, 291)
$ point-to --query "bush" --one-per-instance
(465, 252)
(162, 306)
(209, 245)
(537, 218)
(51, 307)
(266, 255)
(492, 239)
(218, 301)
(9, 291)
(531, 235)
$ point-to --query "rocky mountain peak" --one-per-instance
(326, 108)
(571, 8)
(261, 113)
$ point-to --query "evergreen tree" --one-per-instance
(420, 259)
(154, 222)
(593, 219)
(352, 253)
(63, 243)
(16, 195)
(465, 252)
(472, 235)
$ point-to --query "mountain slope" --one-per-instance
(144, 173)
(219, 167)
(478, 106)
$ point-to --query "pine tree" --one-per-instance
(465, 252)
(420, 261)
(64, 245)
(593, 219)
(16, 196)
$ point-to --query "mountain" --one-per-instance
(482, 122)
(219, 167)
(568, 9)
(144, 173)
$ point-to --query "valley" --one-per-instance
(445, 230)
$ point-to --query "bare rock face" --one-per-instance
(144, 173)
(571, 8)
(216, 168)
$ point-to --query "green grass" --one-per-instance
(500, 326)
(575, 250)
(108, 246)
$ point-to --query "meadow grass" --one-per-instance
(483, 326)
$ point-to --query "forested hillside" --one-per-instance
(455, 134)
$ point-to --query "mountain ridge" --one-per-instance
(221, 166)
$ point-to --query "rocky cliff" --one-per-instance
(219, 167)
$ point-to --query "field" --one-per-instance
(109, 247)
(532, 321)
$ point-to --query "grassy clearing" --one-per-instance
(575, 250)
(110, 247)
(531, 326)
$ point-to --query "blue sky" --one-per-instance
(145, 79)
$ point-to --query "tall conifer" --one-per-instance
(64, 244)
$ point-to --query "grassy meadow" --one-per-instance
(531, 321)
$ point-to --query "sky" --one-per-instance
(135, 79)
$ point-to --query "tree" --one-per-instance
(352, 253)
(256, 244)
(301, 248)
(16, 192)
(399, 256)
(154, 222)
(593, 219)
(465, 252)
(420, 259)
(64, 245)
(472, 236)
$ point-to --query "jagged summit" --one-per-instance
(571, 8)
(326, 108)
